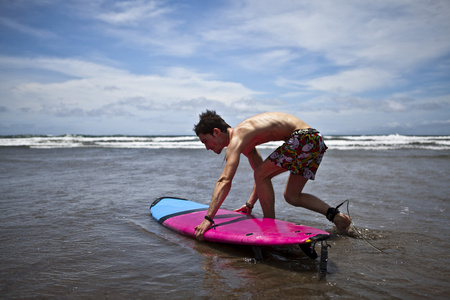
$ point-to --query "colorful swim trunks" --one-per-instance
(302, 153)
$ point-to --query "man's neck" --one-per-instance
(229, 134)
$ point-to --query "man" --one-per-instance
(300, 154)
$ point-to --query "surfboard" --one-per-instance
(231, 227)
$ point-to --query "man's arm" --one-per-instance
(221, 190)
(255, 160)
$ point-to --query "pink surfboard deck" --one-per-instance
(232, 227)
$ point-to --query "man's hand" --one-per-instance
(201, 229)
(244, 209)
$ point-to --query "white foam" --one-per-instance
(377, 142)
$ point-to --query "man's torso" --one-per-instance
(264, 128)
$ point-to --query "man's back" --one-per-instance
(263, 128)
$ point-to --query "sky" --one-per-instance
(150, 67)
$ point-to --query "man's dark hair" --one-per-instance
(208, 121)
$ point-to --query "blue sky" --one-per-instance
(150, 67)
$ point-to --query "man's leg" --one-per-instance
(263, 175)
(294, 195)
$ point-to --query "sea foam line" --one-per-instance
(369, 142)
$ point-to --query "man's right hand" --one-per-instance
(244, 209)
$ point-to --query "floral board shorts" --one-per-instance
(301, 154)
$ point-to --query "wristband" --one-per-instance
(249, 206)
(210, 220)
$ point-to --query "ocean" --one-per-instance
(75, 221)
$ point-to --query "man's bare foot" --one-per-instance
(342, 222)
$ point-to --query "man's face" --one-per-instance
(211, 142)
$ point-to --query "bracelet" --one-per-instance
(210, 220)
(249, 206)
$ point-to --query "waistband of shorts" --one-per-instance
(305, 131)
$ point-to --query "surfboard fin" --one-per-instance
(324, 257)
(258, 253)
(309, 250)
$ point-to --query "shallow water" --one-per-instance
(76, 223)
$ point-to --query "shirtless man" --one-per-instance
(300, 154)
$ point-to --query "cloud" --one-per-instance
(157, 27)
(367, 46)
(347, 82)
(391, 105)
(131, 12)
(32, 31)
(60, 110)
(345, 32)
(94, 89)
(72, 67)
(353, 81)
(266, 60)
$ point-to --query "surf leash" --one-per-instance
(356, 229)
